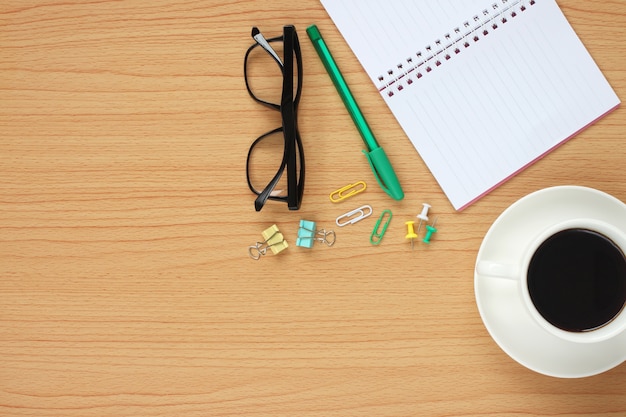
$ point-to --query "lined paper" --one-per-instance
(482, 88)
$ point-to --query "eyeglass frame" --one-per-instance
(288, 108)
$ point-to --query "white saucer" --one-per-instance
(499, 300)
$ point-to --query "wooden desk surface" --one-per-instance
(126, 288)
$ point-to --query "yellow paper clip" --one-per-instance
(274, 241)
(377, 234)
(354, 216)
(347, 191)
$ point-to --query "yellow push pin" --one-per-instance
(410, 232)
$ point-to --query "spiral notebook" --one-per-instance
(482, 88)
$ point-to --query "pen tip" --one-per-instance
(255, 31)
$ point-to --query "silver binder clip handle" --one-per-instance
(256, 251)
(327, 236)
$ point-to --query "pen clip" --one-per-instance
(384, 174)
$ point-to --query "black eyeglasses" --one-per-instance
(265, 179)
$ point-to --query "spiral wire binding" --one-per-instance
(460, 38)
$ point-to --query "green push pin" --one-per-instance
(430, 231)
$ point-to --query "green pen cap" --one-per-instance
(384, 173)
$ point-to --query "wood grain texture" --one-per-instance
(126, 289)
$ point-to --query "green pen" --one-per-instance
(383, 171)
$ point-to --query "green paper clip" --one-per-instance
(377, 234)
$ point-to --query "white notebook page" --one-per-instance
(481, 88)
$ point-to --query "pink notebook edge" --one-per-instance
(550, 150)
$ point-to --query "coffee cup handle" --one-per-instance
(498, 270)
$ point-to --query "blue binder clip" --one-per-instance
(308, 234)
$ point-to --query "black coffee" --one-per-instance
(577, 280)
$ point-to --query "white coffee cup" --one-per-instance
(517, 269)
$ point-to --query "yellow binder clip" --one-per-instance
(274, 241)
(347, 191)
